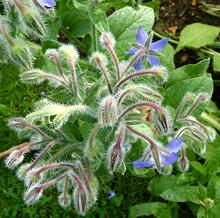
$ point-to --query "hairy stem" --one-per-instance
(136, 74)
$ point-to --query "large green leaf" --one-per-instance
(197, 35)
(188, 71)
(174, 94)
(157, 209)
(185, 193)
(124, 23)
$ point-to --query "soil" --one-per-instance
(174, 15)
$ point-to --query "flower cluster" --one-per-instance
(114, 106)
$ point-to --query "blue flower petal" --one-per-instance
(47, 3)
(167, 160)
(141, 36)
(111, 194)
(131, 51)
(141, 164)
(138, 64)
(159, 45)
(175, 145)
(154, 62)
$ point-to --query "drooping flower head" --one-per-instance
(144, 42)
(165, 159)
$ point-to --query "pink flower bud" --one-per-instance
(108, 112)
(33, 194)
(81, 200)
(115, 152)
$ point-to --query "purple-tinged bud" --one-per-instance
(81, 200)
(33, 194)
(16, 157)
(108, 111)
(107, 40)
(183, 162)
(162, 121)
(64, 200)
(115, 152)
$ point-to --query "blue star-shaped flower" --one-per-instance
(165, 159)
(46, 4)
(143, 41)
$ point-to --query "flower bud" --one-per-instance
(107, 40)
(16, 157)
(211, 133)
(108, 112)
(33, 23)
(115, 152)
(64, 200)
(81, 200)
(69, 52)
(33, 194)
(32, 177)
(98, 57)
(162, 121)
(22, 170)
(52, 53)
(183, 164)
(162, 75)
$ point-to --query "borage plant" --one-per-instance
(95, 123)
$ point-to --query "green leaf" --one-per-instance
(174, 94)
(198, 167)
(99, 19)
(185, 193)
(124, 23)
(216, 61)
(167, 59)
(197, 35)
(159, 184)
(187, 72)
(157, 209)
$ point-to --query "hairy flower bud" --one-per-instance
(98, 57)
(52, 53)
(107, 39)
(16, 157)
(115, 152)
(183, 164)
(162, 121)
(81, 200)
(22, 170)
(69, 52)
(64, 200)
(108, 111)
(33, 194)
(32, 177)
